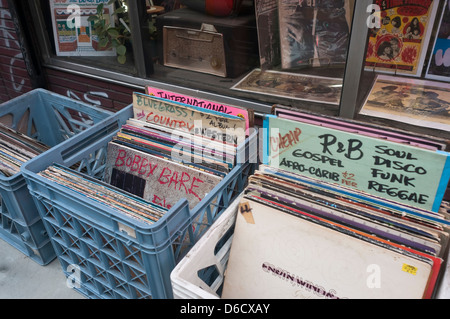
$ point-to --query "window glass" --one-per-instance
(265, 51)
(95, 33)
(289, 51)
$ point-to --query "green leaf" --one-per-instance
(92, 18)
(121, 50)
(103, 42)
(122, 59)
(119, 10)
(100, 8)
(113, 32)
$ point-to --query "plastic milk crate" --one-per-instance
(51, 119)
(105, 253)
(201, 273)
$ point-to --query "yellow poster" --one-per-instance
(398, 43)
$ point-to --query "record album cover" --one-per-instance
(277, 253)
(292, 85)
(314, 33)
(414, 101)
(156, 179)
(399, 43)
(268, 33)
(439, 64)
(74, 34)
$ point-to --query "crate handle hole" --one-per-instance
(210, 275)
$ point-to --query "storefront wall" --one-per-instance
(14, 77)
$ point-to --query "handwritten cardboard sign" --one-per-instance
(209, 105)
(197, 121)
(155, 179)
(398, 172)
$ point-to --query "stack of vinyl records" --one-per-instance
(166, 152)
(16, 149)
(297, 237)
(339, 209)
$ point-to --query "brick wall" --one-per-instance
(102, 94)
(14, 79)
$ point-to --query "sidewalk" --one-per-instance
(22, 278)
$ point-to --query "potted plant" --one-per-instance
(111, 35)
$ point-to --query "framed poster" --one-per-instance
(314, 33)
(400, 45)
(292, 85)
(73, 33)
(439, 64)
(266, 12)
(414, 101)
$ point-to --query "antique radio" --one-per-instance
(222, 46)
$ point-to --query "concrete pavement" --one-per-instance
(23, 278)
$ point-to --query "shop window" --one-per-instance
(291, 52)
(253, 52)
(91, 33)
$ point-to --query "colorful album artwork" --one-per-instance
(314, 33)
(418, 102)
(439, 64)
(292, 85)
(400, 43)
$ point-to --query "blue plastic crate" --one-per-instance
(108, 254)
(50, 118)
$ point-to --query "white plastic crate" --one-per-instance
(200, 274)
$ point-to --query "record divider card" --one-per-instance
(393, 171)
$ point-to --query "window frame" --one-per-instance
(351, 93)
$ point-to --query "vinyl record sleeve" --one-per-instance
(418, 102)
(205, 148)
(74, 34)
(203, 141)
(194, 120)
(267, 24)
(314, 33)
(303, 87)
(426, 231)
(430, 218)
(363, 128)
(181, 153)
(342, 213)
(279, 255)
(98, 191)
(155, 179)
(398, 45)
(439, 63)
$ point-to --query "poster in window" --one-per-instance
(73, 32)
(314, 32)
(268, 33)
(410, 100)
(400, 43)
(303, 87)
(439, 64)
